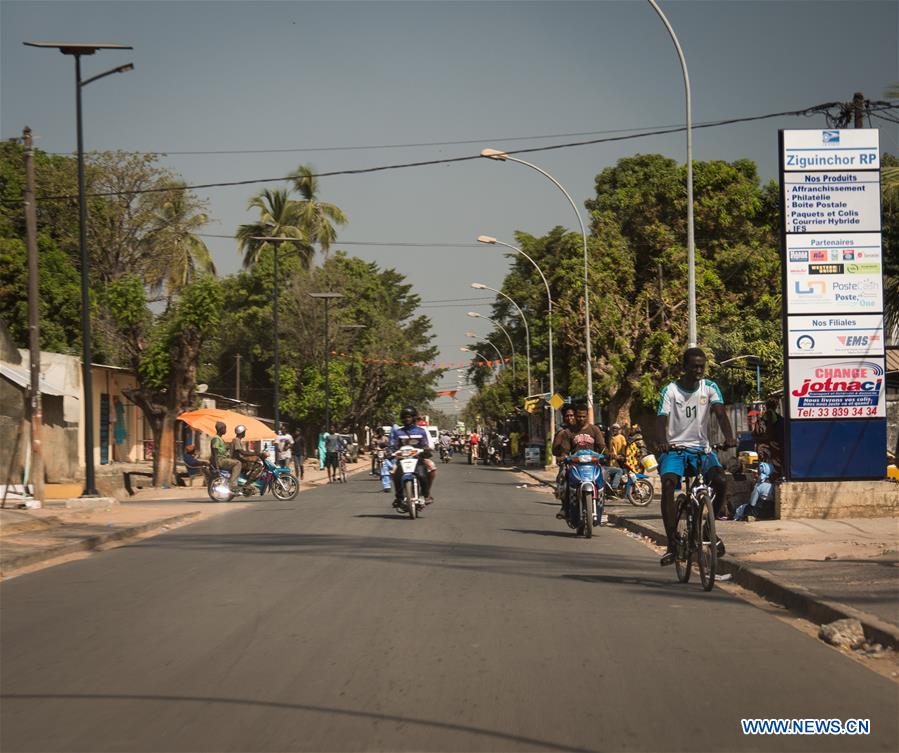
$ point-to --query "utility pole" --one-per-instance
(858, 109)
(34, 334)
(237, 378)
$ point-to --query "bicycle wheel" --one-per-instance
(343, 473)
(706, 541)
(640, 493)
(683, 556)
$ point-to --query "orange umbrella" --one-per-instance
(205, 418)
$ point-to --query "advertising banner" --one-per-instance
(837, 388)
(836, 335)
(816, 202)
(832, 286)
(856, 149)
(834, 273)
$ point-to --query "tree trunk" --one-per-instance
(164, 461)
(620, 405)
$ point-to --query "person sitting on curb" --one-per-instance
(761, 501)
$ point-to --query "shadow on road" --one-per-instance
(353, 713)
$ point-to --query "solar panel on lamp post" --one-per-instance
(77, 49)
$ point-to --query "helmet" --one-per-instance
(240, 430)
(408, 412)
(220, 427)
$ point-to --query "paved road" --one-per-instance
(332, 624)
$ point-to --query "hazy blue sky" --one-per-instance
(316, 77)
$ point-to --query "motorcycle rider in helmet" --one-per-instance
(417, 436)
(221, 458)
(251, 462)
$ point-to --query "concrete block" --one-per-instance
(90, 502)
(836, 499)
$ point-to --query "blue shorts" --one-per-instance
(677, 461)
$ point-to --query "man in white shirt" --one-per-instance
(685, 407)
(283, 445)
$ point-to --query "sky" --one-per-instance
(348, 85)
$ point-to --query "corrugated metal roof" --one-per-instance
(23, 378)
(892, 359)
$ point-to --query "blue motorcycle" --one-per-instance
(584, 491)
(636, 489)
(279, 481)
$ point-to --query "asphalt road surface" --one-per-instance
(331, 623)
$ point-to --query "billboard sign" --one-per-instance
(836, 335)
(832, 285)
(837, 388)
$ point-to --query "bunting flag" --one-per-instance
(447, 393)
(425, 365)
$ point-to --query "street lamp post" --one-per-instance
(327, 298)
(490, 240)
(276, 241)
(500, 156)
(498, 352)
(691, 244)
(77, 50)
(476, 315)
(527, 331)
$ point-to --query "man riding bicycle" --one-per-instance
(683, 420)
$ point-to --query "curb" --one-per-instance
(90, 543)
(769, 586)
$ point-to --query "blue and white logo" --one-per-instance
(831, 137)
(805, 342)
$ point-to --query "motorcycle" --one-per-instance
(279, 481)
(636, 489)
(445, 454)
(494, 455)
(408, 458)
(585, 492)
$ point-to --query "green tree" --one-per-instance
(319, 219)
(163, 350)
(278, 218)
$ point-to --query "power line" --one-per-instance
(368, 243)
(449, 160)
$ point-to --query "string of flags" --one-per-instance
(426, 365)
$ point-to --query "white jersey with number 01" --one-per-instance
(688, 413)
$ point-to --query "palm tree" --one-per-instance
(889, 176)
(278, 217)
(179, 255)
(317, 218)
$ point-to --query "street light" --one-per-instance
(758, 371)
(77, 49)
(691, 244)
(490, 240)
(496, 154)
(276, 241)
(476, 315)
(327, 298)
(527, 331)
(469, 350)
(498, 353)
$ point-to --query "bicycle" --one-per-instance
(695, 523)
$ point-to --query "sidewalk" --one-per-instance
(824, 569)
(30, 539)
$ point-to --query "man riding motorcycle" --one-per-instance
(417, 436)
(250, 461)
(582, 435)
